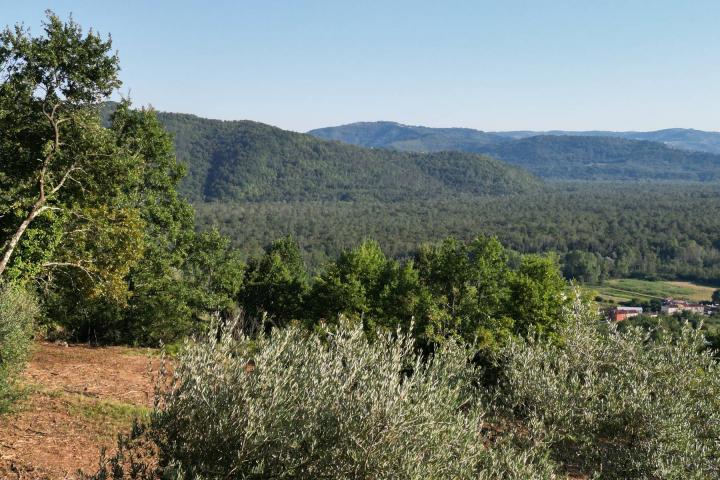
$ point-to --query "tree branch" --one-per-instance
(64, 179)
(79, 266)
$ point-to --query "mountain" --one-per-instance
(606, 158)
(250, 161)
(408, 138)
(557, 155)
(680, 138)
(425, 139)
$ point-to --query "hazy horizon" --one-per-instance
(491, 66)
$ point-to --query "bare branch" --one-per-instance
(47, 207)
(93, 276)
(42, 180)
(78, 230)
(64, 179)
(9, 248)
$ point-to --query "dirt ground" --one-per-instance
(77, 400)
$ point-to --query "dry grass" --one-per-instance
(699, 292)
(625, 289)
(77, 400)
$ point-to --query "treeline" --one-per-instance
(599, 230)
(477, 291)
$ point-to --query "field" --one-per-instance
(626, 289)
(76, 400)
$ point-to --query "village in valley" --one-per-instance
(641, 300)
(668, 306)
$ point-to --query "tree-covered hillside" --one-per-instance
(426, 139)
(663, 155)
(257, 183)
(249, 161)
(407, 137)
(605, 158)
(680, 138)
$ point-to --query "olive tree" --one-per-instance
(618, 404)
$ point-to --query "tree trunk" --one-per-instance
(36, 210)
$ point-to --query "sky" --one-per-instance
(489, 65)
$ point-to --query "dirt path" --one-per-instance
(77, 400)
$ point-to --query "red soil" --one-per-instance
(60, 427)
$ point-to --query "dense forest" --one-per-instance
(425, 139)
(243, 160)
(600, 230)
(680, 138)
(396, 136)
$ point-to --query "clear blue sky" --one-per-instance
(491, 65)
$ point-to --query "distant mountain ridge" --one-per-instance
(559, 155)
(681, 138)
(563, 157)
(408, 138)
(394, 135)
(250, 161)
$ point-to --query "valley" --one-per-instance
(256, 183)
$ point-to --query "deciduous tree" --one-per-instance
(63, 176)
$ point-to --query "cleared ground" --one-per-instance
(625, 289)
(77, 399)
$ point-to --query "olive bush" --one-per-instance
(18, 311)
(618, 404)
(338, 403)
(331, 405)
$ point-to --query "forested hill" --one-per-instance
(425, 139)
(606, 158)
(410, 138)
(244, 160)
(680, 138)
(557, 157)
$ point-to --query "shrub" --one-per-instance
(619, 404)
(336, 405)
(18, 311)
(598, 403)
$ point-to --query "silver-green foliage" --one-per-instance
(334, 405)
(18, 311)
(618, 405)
